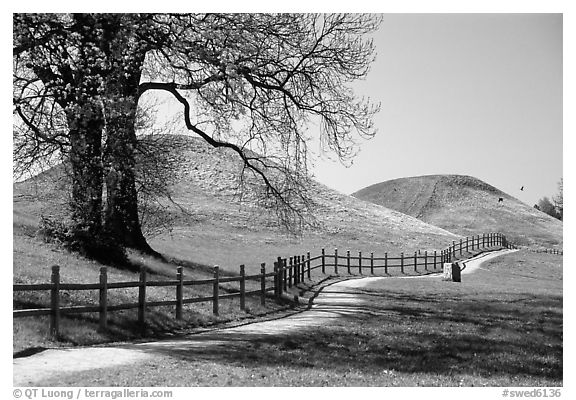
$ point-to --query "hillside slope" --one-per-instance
(466, 206)
(212, 224)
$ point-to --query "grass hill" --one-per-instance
(214, 212)
(210, 225)
(466, 206)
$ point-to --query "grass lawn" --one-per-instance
(501, 326)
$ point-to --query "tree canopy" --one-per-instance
(248, 82)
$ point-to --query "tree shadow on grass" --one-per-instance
(493, 339)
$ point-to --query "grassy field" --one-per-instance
(407, 342)
(32, 261)
(501, 326)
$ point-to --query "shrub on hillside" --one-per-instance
(100, 248)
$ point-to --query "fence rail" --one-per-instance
(287, 272)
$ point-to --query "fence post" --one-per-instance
(179, 292)
(302, 277)
(308, 264)
(216, 291)
(242, 287)
(360, 262)
(282, 274)
(276, 281)
(55, 302)
(323, 261)
(386, 263)
(290, 273)
(348, 261)
(278, 276)
(285, 274)
(103, 318)
(460, 246)
(296, 275)
(263, 284)
(402, 262)
(336, 261)
(297, 270)
(415, 261)
(426, 260)
(142, 297)
(454, 247)
(372, 263)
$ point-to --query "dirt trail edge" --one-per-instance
(332, 302)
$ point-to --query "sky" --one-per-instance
(460, 93)
(470, 94)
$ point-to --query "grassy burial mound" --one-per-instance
(207, 218)
(218, 222)
(466, 206)
(194, 214)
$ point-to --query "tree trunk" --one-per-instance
(121, 218)
(86, 124)
(122, 221)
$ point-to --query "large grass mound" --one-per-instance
(205, 222)
(211, 221)
(466, 206)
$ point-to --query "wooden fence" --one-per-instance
(287, 272)
(548, 251)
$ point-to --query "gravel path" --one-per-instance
(334, 301)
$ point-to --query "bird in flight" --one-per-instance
(522, 188)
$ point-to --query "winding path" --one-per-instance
(333, 302)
